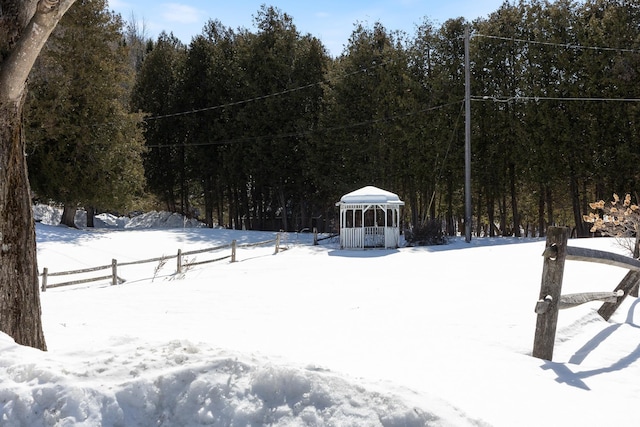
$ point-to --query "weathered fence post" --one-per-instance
(233, 250)
(550, 289)
(179, 266)
(45, 271)
(114, 272)
(315, 236)
(626, 285)
(277, 243)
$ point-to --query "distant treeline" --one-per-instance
(264, 130)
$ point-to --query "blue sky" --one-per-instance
(332, 21)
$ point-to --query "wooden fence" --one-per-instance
(551, 300)
(115, 279)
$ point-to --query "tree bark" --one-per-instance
(25, 35)
(541, 224)
(514, 201)
(69, 216)
(20, 313)
(491, 214)
(91, 217)
(577, 212)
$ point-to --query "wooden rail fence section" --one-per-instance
(115, 279)
(551, 300)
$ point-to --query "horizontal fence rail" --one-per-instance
(602, 257)
(115, 279)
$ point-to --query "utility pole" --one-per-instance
(467, 134)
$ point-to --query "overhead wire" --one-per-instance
(554, 44)
(499, 99)
(508, 99)
(438, 171)
(262, 97)
(308, 132)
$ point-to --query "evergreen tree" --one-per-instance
(84, 147)
(368, 92)
(156, 94)
(447, 124)
(424, 157)
(209, 81)
(281, 72)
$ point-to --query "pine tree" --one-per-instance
(89, 152)
(281, 72)
(155, 93)
(208, 80)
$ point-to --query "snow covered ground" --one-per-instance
(316, 336)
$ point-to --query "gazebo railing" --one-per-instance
(352, 238)
(374, 237)
(368, 237)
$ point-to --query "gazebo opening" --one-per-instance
(369, 218)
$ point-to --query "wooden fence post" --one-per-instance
(179, 266)
(45, 271)
(277, 243)
(233, 250)
(550, 290)
(114, 272)
(315, 236)
(626, 285)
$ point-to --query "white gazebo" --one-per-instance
(369, 218)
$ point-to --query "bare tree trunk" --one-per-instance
(91, 216)
(491, 213)
(581, 230)
(208, 200)
(541, 224)
(19, 291)
(514, 201)
(549, 197)
(69, 216)
(283, 203)
(26, 26)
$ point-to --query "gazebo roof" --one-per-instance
(370, 195)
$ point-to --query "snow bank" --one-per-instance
(51, 215)
(182, 384)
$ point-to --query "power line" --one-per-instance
(497, 99)
(362, 70)
(565, 45)
(231, 104)
(505, 99)
(305, 133)
(262, 97)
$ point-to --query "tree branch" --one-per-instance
(17, 66)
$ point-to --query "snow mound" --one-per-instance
(50, 215)
(156, 219)
(46, 214)
(181, 384)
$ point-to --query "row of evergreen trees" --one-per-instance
(264, 130)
